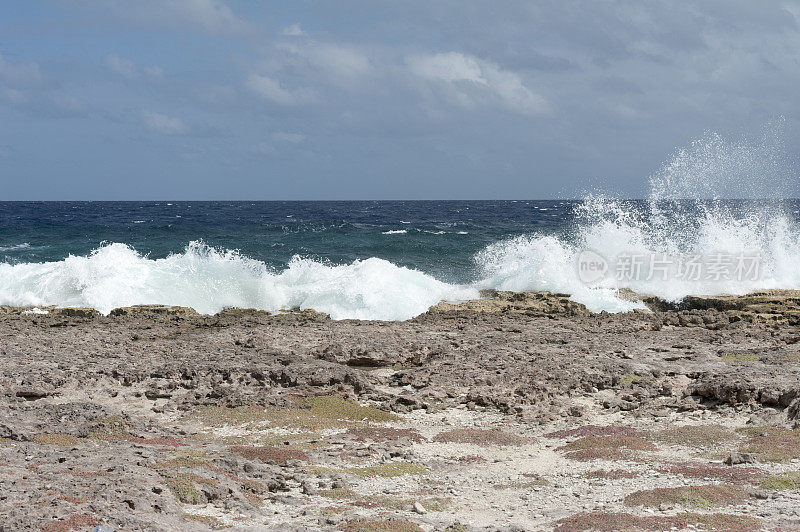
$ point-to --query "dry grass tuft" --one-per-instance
(270, 455)
(617, 447)
(695, 435)
(784, 481)
(595, 430)
(379, 525)
(184, 487)
(481, 437)
(612, 522)
(732, 358)
(62, 440)
(772, 444)
(315, 413)
(73, 522)
(706, 496)
(383, 434)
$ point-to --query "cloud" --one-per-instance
(128, 69)
(291, 138)
(471, 82)
(123, 67)
(19, 74)
(212, 16)
(164, 124)
(293, 31)
(272, 90)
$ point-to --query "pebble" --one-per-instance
(419, 508)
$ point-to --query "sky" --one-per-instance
(214, 99)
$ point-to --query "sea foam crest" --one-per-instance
(688, 213)
(210, 280)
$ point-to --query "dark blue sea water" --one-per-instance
(437, 237)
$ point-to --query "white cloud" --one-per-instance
(153, 71)
(167, 125)
(292, 138)
(343, 64)
(12, 95)
(293, 31)
(272, 90)
(123, 67)
(19, 74)
(471, 82)
(128, 69)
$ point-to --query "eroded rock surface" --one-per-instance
(514, 411)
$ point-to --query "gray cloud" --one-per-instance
(512, 99)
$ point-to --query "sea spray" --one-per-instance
(209, 280)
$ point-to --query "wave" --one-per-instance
(15, 247)
(687, 238)
(210, 280)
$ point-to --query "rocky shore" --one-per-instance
(519, 411)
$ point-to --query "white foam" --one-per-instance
(15, 247)
(209, 280)
(684, 217)
(395, 232)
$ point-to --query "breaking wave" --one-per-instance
(210, 280)
(690, 214)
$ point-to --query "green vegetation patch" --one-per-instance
(311, 414)
(784, 481)
(380, 525)
(732, 358)
(484, 437)
(184, 486)
(435, 504)
(378, 434)
(618, 447)
(62, 440)
(706, 496)
(614, 521)
(695, 435)
(269, 454)
(73, 522)
(772, 444)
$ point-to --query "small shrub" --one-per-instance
(383, 434)
(695, 435)
(480, 437)
(73, 522)
(380, 525)
(595, 430)
(612, 522)
(733, 358)
(784, 481)
(772, 444)
(62, 440)
(706, 496)
(270, 455)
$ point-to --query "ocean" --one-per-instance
(386, 260)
